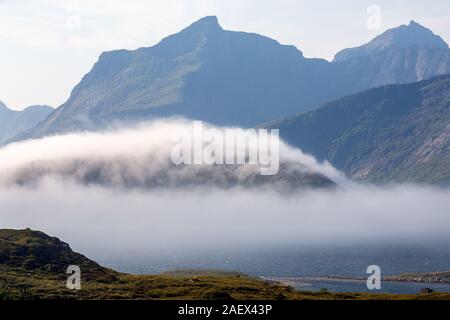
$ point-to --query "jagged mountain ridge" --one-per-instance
(235, 78)
(203, 72)
(409, 53)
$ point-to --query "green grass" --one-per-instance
(15, 285)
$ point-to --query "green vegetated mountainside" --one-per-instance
(33, 266)
(395, 133)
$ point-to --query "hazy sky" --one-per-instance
(48, 45)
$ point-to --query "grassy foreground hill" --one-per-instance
(33, 266)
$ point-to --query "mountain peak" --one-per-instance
(208, 20)
(413, 23)
(188, 39)
(209, 23)
(404, 36)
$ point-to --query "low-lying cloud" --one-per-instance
(183, 220)
(141, 158)
(109, 217)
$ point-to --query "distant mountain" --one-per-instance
(405, 54)
(6, 117)
(236, 78)
(13, 123)
(203, 72)
(392, 133)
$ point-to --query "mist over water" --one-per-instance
(142, 158)
(110, 219)
(202, 219)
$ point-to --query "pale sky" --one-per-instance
(48, 45)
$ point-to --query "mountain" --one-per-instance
(203, 72)
(409, 53)
(236, 78)
(13, 123)
(35, 251)
(392, 133)
(6, 116)
(147, 165)
(292, 177)
(27, 119)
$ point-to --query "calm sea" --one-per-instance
(303, 268)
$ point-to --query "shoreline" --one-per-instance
(425, 278)
(341, 284)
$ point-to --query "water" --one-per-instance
(336, 285)
(303, 268)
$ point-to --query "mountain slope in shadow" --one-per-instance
(395, 133)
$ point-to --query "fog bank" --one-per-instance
(111, 217)
(141, 158)
(102, 219)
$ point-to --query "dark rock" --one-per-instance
(426, 291)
